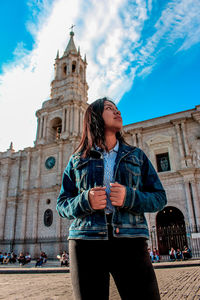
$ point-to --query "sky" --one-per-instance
(144, 54)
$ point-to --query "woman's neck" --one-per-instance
(110, 140)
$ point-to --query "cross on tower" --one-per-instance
(71, 28)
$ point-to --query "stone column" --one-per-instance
(37, 196)
(25, 197)
(4, 195)
(140, 144)
(41, 126)
(14, 204)
(12, 207)
(45, 126)
(185, 138)
(180, 145)
(60, 163)
(82, 113)
(76, 120)
(58, 234)
(189, 204)
(68, 120)
(71, 120)
(133, 137)
(36, 200)
(63, 119)
(38, 128)
(196, 202)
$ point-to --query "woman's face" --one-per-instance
(112, 117)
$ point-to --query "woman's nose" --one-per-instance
(118, 112)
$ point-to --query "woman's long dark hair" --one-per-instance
(93, 128)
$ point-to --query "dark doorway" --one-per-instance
(171, 231)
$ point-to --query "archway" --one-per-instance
(54, 129)
(171, 231)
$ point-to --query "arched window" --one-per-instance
(48, 217)
(73, 67)
(64, 70)
(55, 129)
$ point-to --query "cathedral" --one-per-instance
(30, 179)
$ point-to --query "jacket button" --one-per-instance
(117, 230)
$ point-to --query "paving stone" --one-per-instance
(174, 283)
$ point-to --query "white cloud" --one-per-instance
(109, 32)
(179, 21)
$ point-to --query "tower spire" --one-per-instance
(71, 48)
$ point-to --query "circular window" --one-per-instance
(48, 217)
(50, 162)
(48, 201)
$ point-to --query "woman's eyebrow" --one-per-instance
(110, 105)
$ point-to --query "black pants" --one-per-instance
(127, 260)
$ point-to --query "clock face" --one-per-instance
(50, 162)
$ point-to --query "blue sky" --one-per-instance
(143, 54)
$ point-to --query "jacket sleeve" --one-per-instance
(71, 204)
(151, 197)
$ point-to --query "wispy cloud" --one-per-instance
(116, 39)
(177, 27)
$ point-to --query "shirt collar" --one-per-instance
(115, 149)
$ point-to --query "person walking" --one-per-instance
(107, 187)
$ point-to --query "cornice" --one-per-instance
(41, 190)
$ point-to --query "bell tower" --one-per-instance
(61, 116)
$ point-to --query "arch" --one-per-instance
(64, 70)
(171, 230)
(55, 129)
(74, 66)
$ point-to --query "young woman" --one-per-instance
(106, 189)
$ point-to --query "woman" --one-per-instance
(107, 187)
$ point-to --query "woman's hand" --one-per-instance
(97, 197)
(117, 194)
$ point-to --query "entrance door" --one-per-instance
(171, 230)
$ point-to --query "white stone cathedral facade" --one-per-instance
(30, 178)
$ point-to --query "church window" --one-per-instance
(65, 69)
(48, 217)
(56, 129)
(163, 163)
(73, 67)
(48, 201)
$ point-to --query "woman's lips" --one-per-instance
(118, 118)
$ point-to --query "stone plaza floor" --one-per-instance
(176, 281)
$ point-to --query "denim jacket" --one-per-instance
(144, 193)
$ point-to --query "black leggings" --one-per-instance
(126, 259)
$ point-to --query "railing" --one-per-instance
(162, 238)
(176, 236)
(10, 245)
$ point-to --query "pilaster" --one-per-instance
(4, 195)
(25, 196)
(180, 145)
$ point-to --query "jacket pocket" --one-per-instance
(81, 175)
(139, 219)
(133, 175)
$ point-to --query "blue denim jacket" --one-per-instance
(144, 193)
